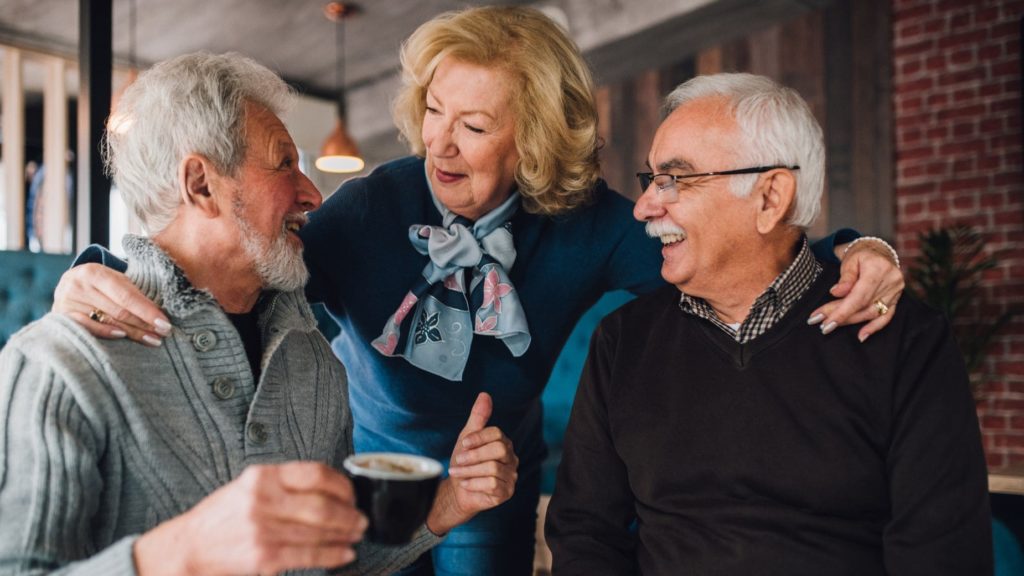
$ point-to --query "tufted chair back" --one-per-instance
(27, 280)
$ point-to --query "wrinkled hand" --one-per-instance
(482, 473)
(89, 287)
(867, 275)
(270, 519)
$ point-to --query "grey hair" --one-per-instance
(777, 128)
(191, 104)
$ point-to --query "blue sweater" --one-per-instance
(362, 264)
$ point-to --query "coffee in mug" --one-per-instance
(395, 491)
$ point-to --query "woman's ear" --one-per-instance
(777, 192)
(196, 177)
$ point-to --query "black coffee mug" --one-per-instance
(395, 491)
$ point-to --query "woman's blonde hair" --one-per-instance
(553, 96)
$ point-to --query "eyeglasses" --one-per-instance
(669, 184)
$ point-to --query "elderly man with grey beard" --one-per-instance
(218, 451)
(715, 432)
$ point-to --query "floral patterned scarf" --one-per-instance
(464, 290)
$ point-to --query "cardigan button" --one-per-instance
(223, 388)
(257, 433)
(204, 341)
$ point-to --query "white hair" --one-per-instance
(777, 128)
(191, 104)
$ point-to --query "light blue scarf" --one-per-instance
(434, 325)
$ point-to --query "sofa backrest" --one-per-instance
(27, 280)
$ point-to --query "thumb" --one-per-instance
(479, 415)
(848, 273)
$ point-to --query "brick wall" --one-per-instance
(957, 110)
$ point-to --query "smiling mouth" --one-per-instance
(668, 239)
(295, 222)
(447, 177)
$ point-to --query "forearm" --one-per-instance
(376, 560)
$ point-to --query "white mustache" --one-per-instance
(662, 227)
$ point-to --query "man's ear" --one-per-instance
(197, 179)
(776, 192)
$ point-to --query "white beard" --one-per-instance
(277, 262)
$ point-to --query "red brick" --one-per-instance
(914, 153)
(919, 85)
(965, 203)
(917, 12)
(963, 57)
(935, 27)
(963, 38)
(1002, 29)
(961, 20)
(916, 47)
(1010, 441)
(937, 132)
(964, 94)
(990, 52)
(909, 29)
(976, 147)
(1007, 179)
(1000, 422)
(909, 104)
(992, 199)
(938, 99)
(910, 172)
(938, 168)
(911, 67)
(913, 208)
(988, 125)
(960, 184)
(995, 460)
(962, 129)
(986, 15)
(935, 62)
(1010, 68)
(1004, 141)
(972, 111)
(963, 166)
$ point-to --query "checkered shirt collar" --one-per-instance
(771, 305)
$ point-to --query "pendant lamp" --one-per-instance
(339, 152)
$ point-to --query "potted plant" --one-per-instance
(948, 276)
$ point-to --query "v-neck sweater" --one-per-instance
(795, 453)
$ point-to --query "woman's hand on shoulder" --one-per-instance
(108, 305)
(869, 288)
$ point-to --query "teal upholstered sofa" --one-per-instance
(27, 280)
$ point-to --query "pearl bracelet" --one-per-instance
(892, 251)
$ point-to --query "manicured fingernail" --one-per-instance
(467, 443)
(863, 337)
(150, 341)
(828, 328)
(118, 333)
(162, 326)
(816, 318)
(460, 458)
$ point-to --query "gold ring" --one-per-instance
(97, 315)
(882, 308)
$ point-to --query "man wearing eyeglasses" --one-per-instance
(715, 431)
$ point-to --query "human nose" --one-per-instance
(440, 139)
(309, 197)
(649, 205)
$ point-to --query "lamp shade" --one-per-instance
(339, 153)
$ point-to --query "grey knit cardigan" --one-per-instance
(101, 440)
